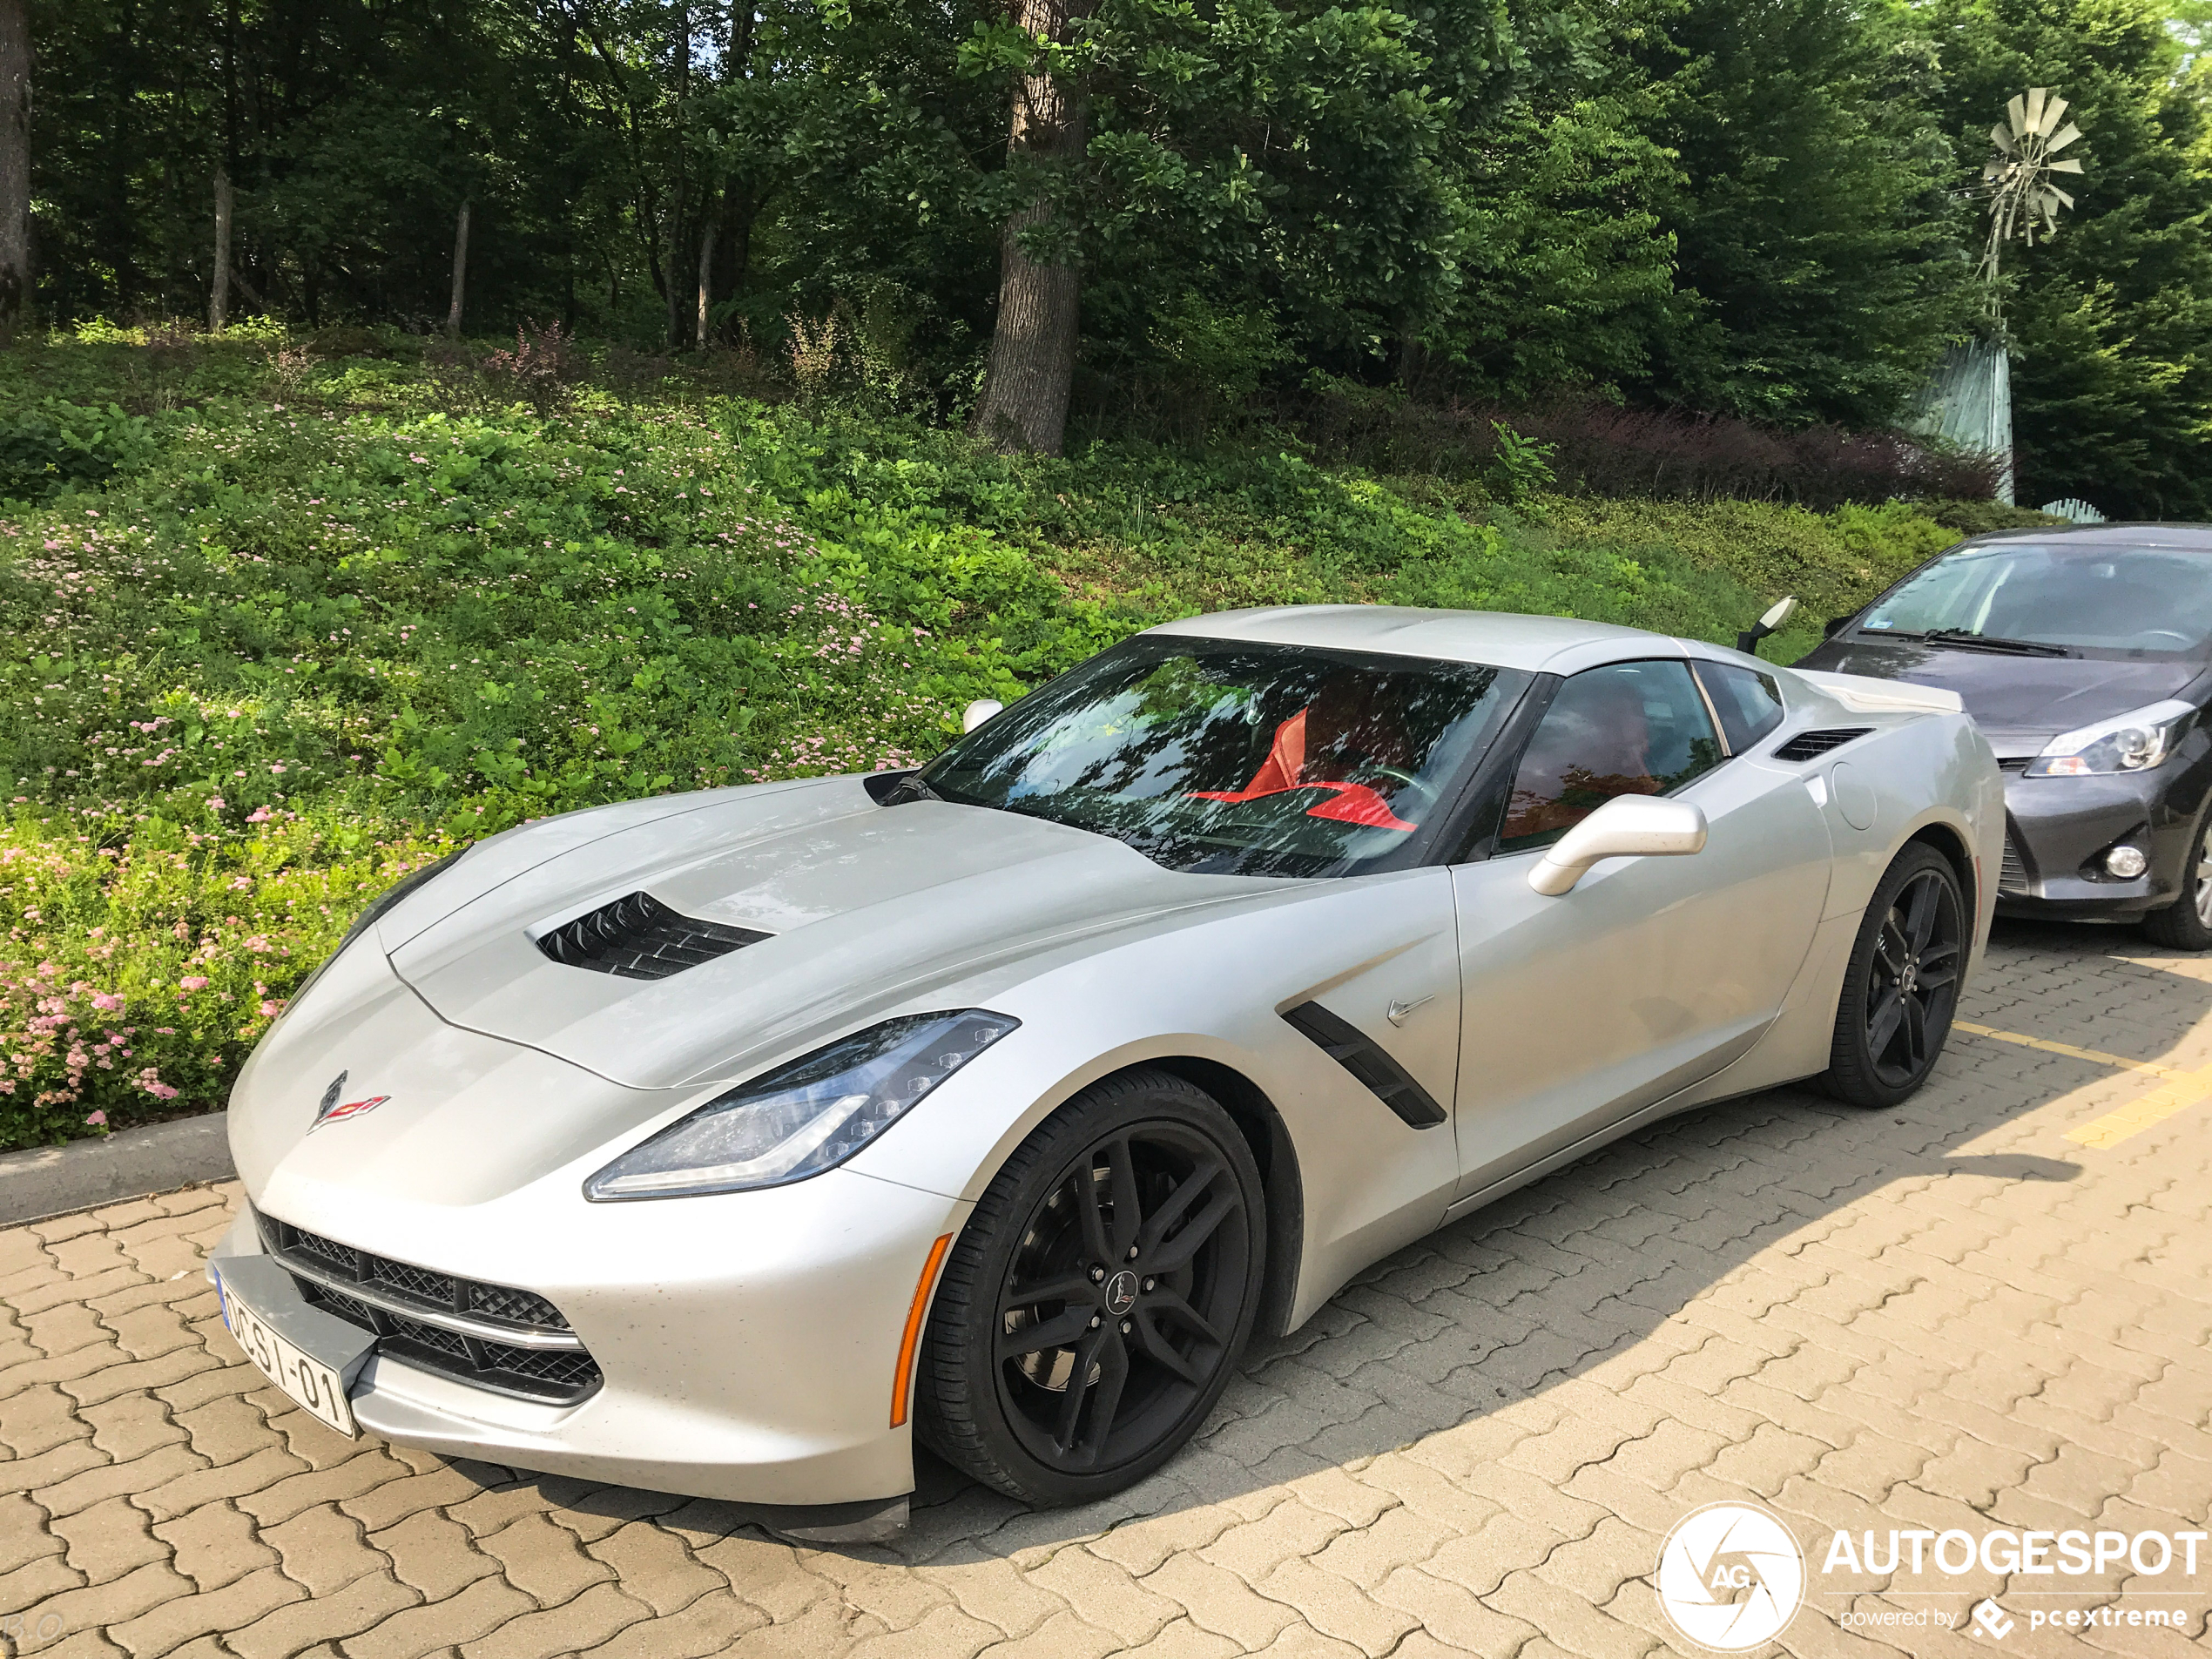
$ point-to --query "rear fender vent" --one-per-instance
(1369, 1061)
(1810, 745)
(638, 937)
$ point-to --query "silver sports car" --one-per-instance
(721, 1143)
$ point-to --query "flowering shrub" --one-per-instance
(295, 651)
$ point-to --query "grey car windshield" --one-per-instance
(2097, 599)
(1236, 759)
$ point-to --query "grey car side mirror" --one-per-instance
(978, 711)
(1625, 827)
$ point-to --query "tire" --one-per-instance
(2187, 923)
(1056, 1367)
(1901, 987)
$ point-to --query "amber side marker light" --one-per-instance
(902, 1386)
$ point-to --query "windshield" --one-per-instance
(2100, 599)
(1236, 759)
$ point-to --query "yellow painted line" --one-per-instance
(2178, 1091)
(2070, 1051)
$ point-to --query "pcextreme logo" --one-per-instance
(1731, 1576)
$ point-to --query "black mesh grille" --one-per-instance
(516, 1307)
(2011, 874)
(558, 1377)
(1810, 745)
(434, 1292)
(638, 937)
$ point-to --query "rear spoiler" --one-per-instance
(1863, 694)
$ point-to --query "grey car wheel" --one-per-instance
(2187, 923)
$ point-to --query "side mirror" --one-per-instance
(978, 711)
(1776, 614)
(1836, 625)
(1628, 826)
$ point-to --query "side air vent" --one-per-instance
(2011, 874)
(1367, 1060)
(1810, 745)
(638, 937)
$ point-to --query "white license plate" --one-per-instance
(309, 1381)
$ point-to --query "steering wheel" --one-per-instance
(1425, 792)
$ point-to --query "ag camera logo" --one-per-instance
(1731, 1576)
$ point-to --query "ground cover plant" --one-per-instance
(298, 628)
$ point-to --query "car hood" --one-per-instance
(866, 909)
(2019, 702)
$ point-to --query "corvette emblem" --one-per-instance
(331, 1112)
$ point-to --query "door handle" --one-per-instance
(1399, 1012)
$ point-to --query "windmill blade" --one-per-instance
(2001, 138)
(2070, 165)
(2053, 112)
(2060, 194)
(2060, 141)
(2018, 111)
(2035, 97)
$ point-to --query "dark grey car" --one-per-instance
(2085, 655)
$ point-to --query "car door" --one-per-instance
(1651, 974)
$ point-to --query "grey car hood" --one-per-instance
(2019, 702)
(866, 907)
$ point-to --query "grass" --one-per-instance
(279, 632)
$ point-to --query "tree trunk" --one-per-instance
(677, 241)
(15, 164)
(1033, 344)
(710, 232)
(219, 299)
(460, 269)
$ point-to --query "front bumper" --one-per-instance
(2057, 831)
(747, 1343)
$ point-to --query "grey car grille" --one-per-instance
(1810, 745)
(438, 1321)
(638, 937)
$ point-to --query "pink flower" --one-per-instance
(107, 1001)
(192, 982)
(270, 1009)
(259, 815)
(98, 1120)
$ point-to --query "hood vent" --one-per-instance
(1810, 745)
(638, 937)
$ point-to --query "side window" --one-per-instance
(1749, 702)
(1627, 729)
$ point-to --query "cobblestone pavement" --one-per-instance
(1949, 1316)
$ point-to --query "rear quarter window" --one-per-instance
(1749, 702)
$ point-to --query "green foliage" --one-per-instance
(59, 446)
(294, 653)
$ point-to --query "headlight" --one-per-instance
(805, 1117)
(2133, 742)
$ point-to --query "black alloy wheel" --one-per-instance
(1095, 1303)
(1901, 989)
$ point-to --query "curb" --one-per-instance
(48, 1181)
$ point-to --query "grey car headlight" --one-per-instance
(805, 1117)
(2133, 742)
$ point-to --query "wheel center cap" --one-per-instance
(1912, 972)
(1121, 1292)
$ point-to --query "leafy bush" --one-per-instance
(288, 654)
(1596, 449)
(59, 446)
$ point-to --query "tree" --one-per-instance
(15, 164)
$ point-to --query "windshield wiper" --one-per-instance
(1966, 639)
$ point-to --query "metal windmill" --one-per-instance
(2022, 198)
